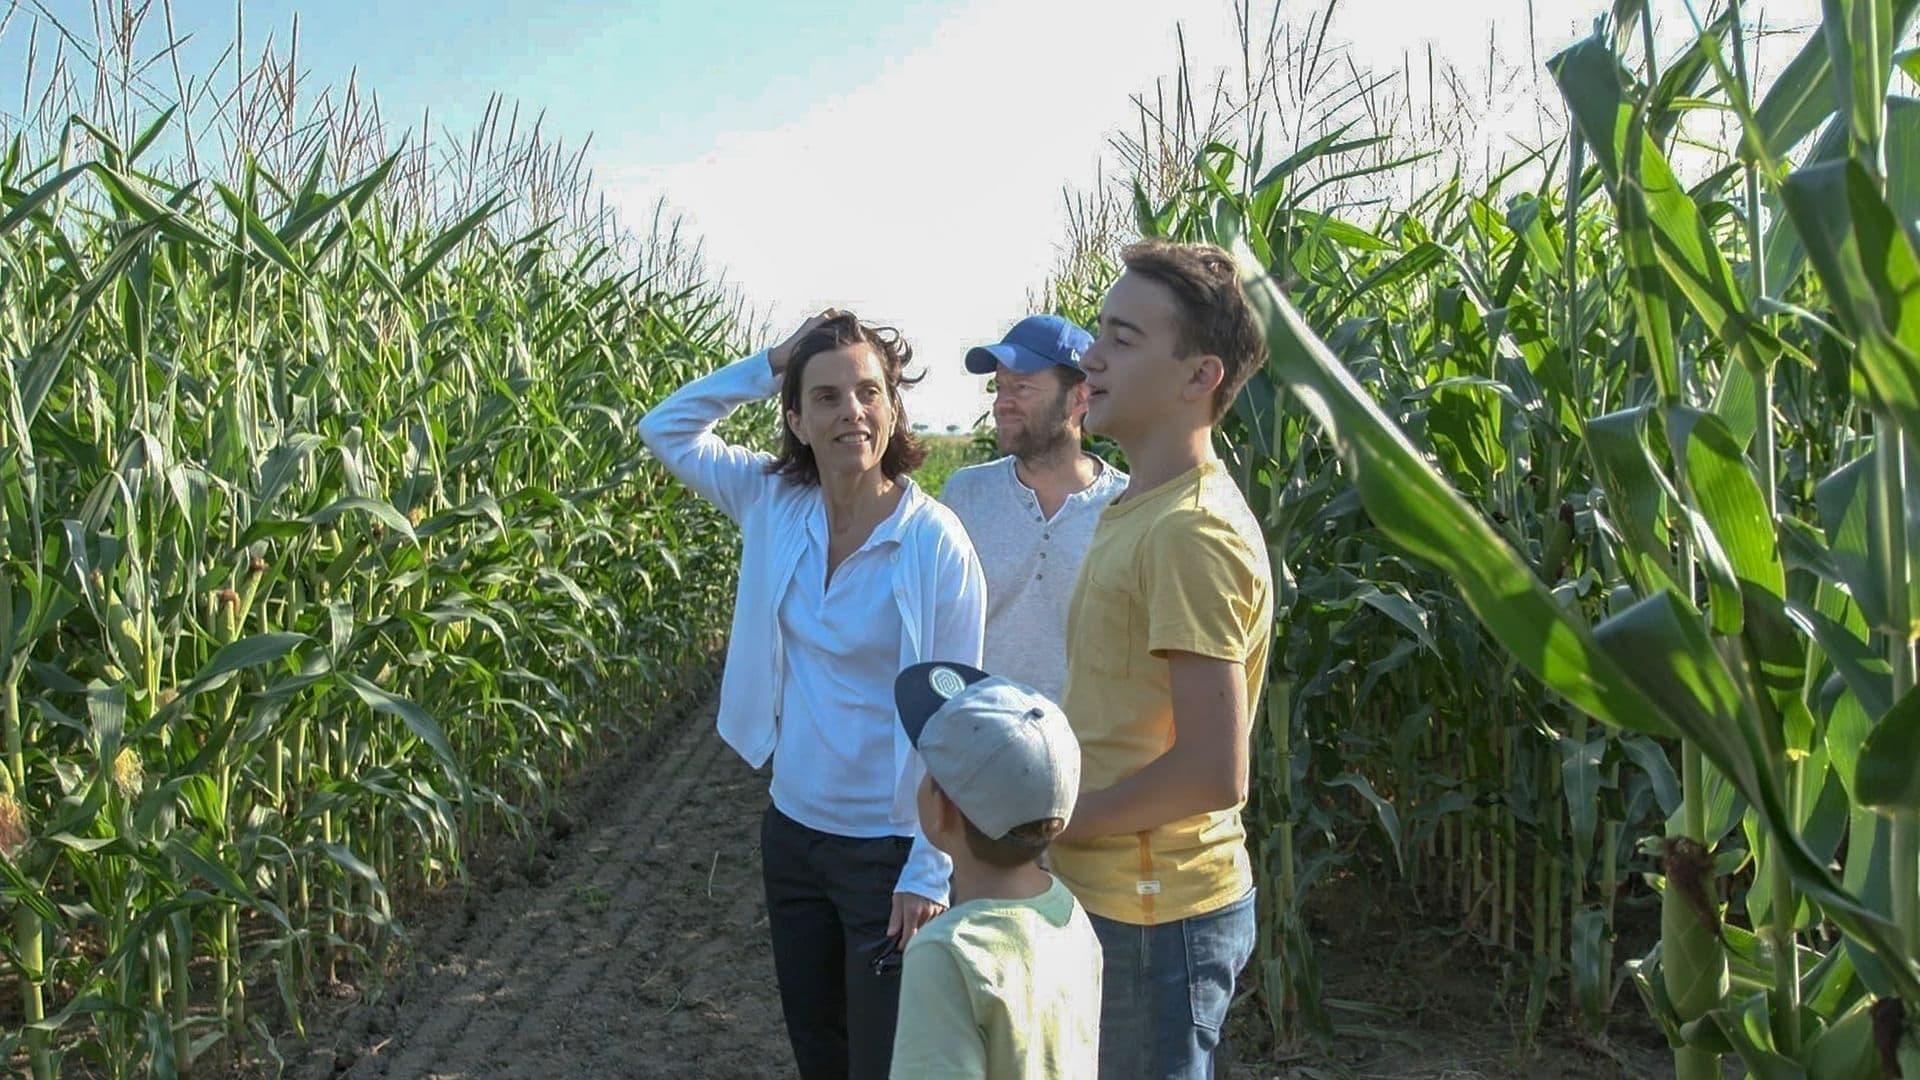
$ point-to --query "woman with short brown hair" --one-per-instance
(849, 573)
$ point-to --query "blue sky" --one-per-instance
(937, 133)
(654, 82)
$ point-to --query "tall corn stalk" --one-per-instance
(328, 545)
(1632, 457)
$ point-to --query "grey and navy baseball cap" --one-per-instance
(1001, 751)
(1034, 342)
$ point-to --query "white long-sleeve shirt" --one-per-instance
(838, 643)
(932, 576)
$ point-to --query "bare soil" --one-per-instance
(632, 944)
(631, 941)
(1414, 1000)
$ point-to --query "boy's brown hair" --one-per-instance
(1023, 844)
(1215, 318)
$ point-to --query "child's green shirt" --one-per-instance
(1001, 988)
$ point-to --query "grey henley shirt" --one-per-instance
(1031, 563)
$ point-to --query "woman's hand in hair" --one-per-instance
(782, 354)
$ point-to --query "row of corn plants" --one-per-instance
(1586, 487)
(328, 551)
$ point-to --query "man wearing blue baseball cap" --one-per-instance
(1031, 512)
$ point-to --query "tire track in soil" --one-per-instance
(642, 952)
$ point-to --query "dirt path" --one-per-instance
(631, 941)
(635, 945)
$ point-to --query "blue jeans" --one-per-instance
(1165, 991)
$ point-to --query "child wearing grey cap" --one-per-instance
(1006, 983)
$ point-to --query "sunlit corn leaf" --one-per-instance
(1658, 214)
(1414, 506)
(1887, 778)
(1865, 258)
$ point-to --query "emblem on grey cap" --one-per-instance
(946, 682)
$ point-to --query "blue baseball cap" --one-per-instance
(1032, 344)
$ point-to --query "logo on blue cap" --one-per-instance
(1033, 344)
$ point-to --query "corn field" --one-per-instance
(329, 549)
(1587, 489)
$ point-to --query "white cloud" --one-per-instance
(929, 194)
(924, 190)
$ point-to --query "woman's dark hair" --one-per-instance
(904, 453)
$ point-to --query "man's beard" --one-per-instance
(1046, 436)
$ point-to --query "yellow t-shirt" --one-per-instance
(1001, 989)
(1181, 568)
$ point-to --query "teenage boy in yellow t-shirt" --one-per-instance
(1006, 984)
(1167, 641)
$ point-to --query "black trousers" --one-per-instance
(828, 901)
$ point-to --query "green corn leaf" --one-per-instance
(1411, 504)
(1848, 725)
(1849, 507)
(417, 720)
(1735, 1028)
(258, 234)
(37, 198)
(309, 192)
(107, 716)
(1734, 403)
(1580, 782)
(378, 509)
(143, 207)
(249, 652)
(1592, 982)
(358, 867)
(283, 465)
(195, 852)
(1661, 648)
(1637, 495)
(1388, 817)
(1864, 670)
(1652, 759)
(354, 198)
(1785, 255)
(1803, 96)
(1830, 985)
(50, 359)
(1721, 485)
(1421, 259)
(1401, 610)
(1624, 19)
(152, 132)
(1846, 1047)
(113, 157)
(16, 887)
(1667, 654)
(1657, 213)
(1888, 773)
(1681, 77)
(1866, 260)
(1860, 40)
(383, 280)
(447, 241)
(1325, 146)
